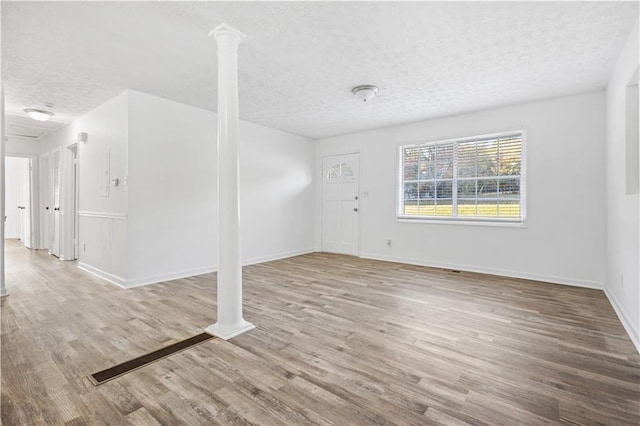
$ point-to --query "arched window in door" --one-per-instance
(340, 171)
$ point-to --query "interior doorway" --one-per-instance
(340, 204)
(74, 201)
(45, 202)
(54, 196)
(19, 200)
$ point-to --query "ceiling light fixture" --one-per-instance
(365, 92)
(38, 114)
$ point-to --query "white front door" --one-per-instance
(340, 188)
(55, 197)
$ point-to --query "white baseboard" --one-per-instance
(113, 279)
(278, 256)
(492, 271)
(624, 319)
(154, 279)
(209, 269)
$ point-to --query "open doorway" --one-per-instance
(60, 202)
(19, 200)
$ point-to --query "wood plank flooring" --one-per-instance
(339, 340)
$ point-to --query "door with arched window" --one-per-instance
(340, 204)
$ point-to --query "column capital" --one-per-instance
(227, 30)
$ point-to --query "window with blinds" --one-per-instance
(470, 179)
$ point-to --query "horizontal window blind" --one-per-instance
(476, 179)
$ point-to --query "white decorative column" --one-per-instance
(3, 289)
(230, 321)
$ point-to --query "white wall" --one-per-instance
(102, 218)
(172, 214)
(622, 284)
(22, 147)
(564, 237)
(173, 191)
(278, 193)
(159, 222)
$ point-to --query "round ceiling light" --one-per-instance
(38, 114)
(365, 92)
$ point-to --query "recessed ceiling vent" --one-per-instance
(20, 136)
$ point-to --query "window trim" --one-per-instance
(483, 221)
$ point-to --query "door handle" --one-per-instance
(355, 209)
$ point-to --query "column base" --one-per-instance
(226, 332)
(4, 292)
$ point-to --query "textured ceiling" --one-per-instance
(301, 59)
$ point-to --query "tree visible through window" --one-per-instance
(476, 178)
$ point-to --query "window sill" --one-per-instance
(466, 222)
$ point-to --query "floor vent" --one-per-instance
(118, 370)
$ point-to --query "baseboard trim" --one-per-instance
(634, 335)
(278, 256)
(113, 279)
(491, 271)
(155, 279)
(103, 215)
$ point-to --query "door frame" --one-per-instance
(360, 210)
(52, 202)
(34, 196)
(45, 202)
(74, 202)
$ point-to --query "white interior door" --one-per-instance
(25, 193)
(19, 175)
(18, 199)
(55, 198)
(13, 211)
(340, 224)
(45, 203)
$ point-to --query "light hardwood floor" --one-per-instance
(339, 340)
